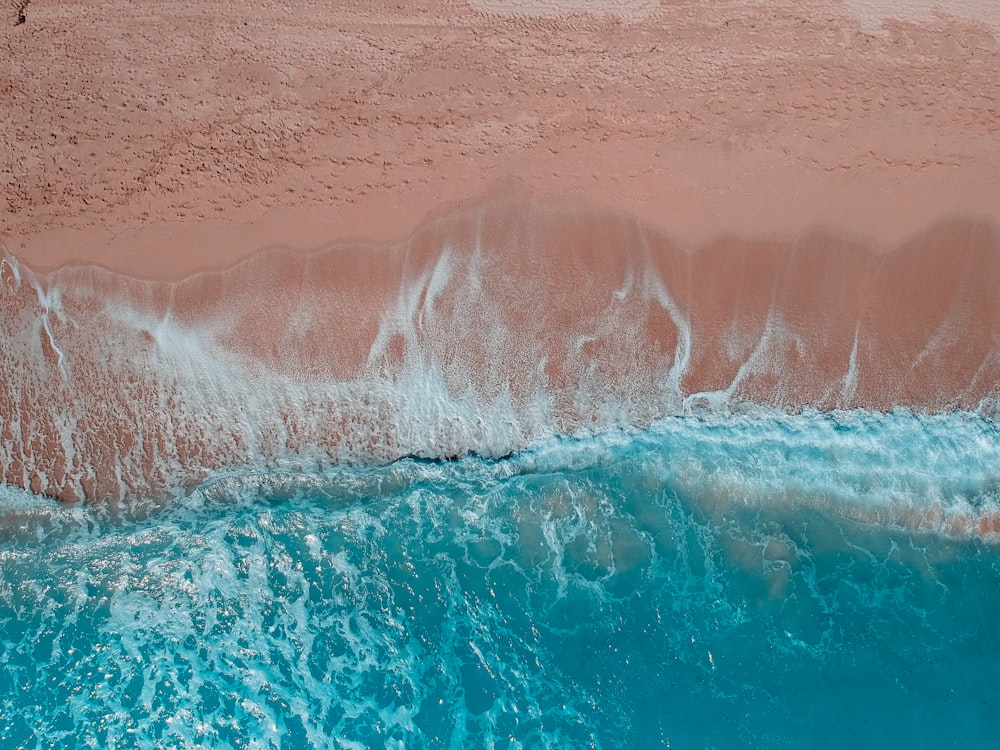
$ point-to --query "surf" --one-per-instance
(705, 581)
(496, 325)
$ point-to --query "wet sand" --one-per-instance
(319, 234)
(492, 326)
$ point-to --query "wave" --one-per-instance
(491, 328)
(621, 590)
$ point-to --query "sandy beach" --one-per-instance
(499, 373)
(521, 219)
(158, 139)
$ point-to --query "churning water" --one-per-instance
(766, 580)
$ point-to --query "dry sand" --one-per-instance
(158, 138)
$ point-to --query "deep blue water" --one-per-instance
(765, 581)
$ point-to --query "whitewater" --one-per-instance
(702, 583)
(537, 476)
(492, 327)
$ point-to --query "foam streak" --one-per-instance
(492, 327)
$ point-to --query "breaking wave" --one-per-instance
(703, 583)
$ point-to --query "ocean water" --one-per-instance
(825, 579)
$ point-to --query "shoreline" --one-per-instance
(174, 249)
(512, 208)
(493, 325)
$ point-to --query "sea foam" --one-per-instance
(490, 329)
(704, 582)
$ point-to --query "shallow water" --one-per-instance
(494, 326)
(767, 580)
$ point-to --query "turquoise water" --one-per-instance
(760, 581)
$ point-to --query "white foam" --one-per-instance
(11, 262)
(152, 399)
(654, 289)
(50, 300)
(406, 319)
(851, 376)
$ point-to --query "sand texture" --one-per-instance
(162, 138)
(310, 233)
(490, 328)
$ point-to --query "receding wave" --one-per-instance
(491, 328)
(734, 582)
